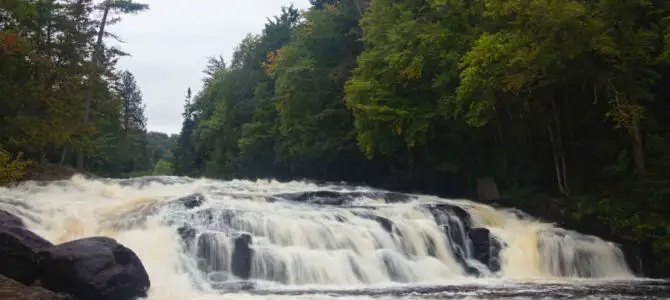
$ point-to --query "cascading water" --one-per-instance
(205, 239)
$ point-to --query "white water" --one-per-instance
(300, 246)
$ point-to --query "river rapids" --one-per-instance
(209, 239)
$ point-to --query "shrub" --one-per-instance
(12, 167)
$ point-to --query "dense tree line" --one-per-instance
(561, 102)
(63, 99)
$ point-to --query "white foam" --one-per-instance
(314, 247)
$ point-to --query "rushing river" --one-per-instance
(208, 239)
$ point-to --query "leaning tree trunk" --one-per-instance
(558, 151)
(93, 76)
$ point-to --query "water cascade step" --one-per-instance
(249, 234)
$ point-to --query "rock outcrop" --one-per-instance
(96, 268)
(18, 247)
(93, 268)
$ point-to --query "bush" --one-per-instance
(12, 167)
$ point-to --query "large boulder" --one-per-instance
(18, 247)
(10, 289)
(93, 268)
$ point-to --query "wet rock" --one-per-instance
(212, 252)
(394, 271)
(393, 197)
(9, 220)
(485, 248)
(240, 285)
(315, 197)
(187, 234)
(18, 247)
(496, 247)
(191, 201)
(385, 223)
(218, 277)
(93, 268)
(339, 198)
(241, 257)
(11, 289)
(340, 218)
(439, 209)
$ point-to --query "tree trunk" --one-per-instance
(93, 76)
(63, 156)
(559, 177)
(638, 148)
(560, 149)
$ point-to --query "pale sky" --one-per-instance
(170, 44)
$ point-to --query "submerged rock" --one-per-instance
(240, 285)
(187, 234)
(191, 201)
(385, 223)
(18, 247)
(93, 268)
(211, 252)
(11, 289)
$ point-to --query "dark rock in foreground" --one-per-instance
(9, 220)
(10, 289)
(18, 247)
(93, 268)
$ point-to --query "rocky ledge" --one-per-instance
(95, 268)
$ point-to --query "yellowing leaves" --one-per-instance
(11, 167)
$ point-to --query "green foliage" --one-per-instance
(57, 100)
(11, 167)
(562, 102)
(163, 167)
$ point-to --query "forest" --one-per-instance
(562, 103)
(64, 102)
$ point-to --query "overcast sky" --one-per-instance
(170, 44)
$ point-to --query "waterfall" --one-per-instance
(199, 235)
